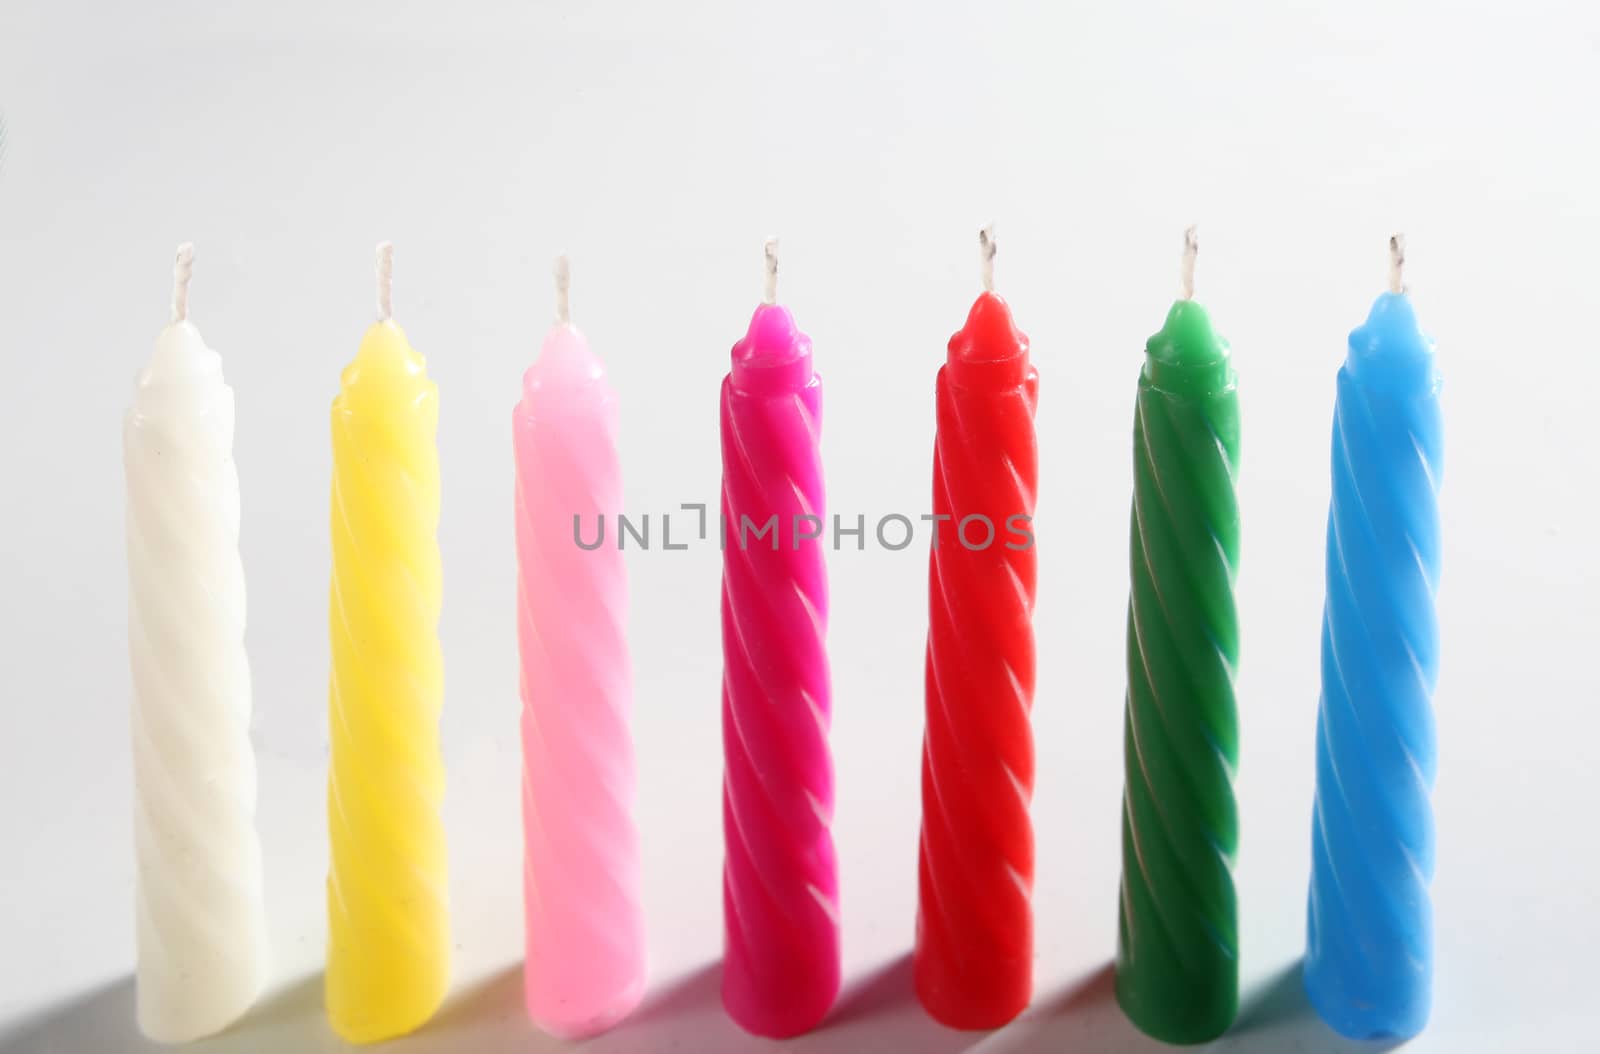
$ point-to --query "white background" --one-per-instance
(658, 144)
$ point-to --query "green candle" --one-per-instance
(1177, 949)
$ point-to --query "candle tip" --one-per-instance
(770, 293)
(1191, 249)
(563, 272)
(987, 247)
(182, 271)
(385, 265)
(1397, 263)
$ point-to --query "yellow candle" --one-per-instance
(388, 919)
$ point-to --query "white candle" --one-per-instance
(201, 921)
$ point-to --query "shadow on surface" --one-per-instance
(102, 1019)
(1082, 1017)
(878, 1012)
(98, 1019)
(887, 989)
(1276, 1002)
(686, 1015)
(1277, 1016)
(482, 1017)
(485, 1015)
(695, 992)
(1274, 1017)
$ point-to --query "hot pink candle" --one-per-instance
(585, 967)
(780, 881)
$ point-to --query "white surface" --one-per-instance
(659, 144)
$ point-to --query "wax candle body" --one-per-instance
(780, 882)
(201, 926)
(585, 966)
(1177, 951)
(974, 948)
(1369, 954)
(388, 923)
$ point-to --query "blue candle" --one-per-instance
(1369, 955)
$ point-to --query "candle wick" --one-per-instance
(182, 271)
(563, 273)
(987, 247)
(770, 293)
(1397, 263)
(385, 281)
(1191, 249)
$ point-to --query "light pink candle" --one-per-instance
(585, 967)
(780, 880)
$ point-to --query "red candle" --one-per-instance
(974, 949)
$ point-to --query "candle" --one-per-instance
(201, 924)
(585, 966)
(1369, 954)
(1177, 950)
(780, 880)
(974, 949)
(388, 924)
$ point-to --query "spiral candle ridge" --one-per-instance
(1177, 959)
(780, 882)
(388, 926)
(974, 949)
(585, 966)
(201, 925)
(1370, 926)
